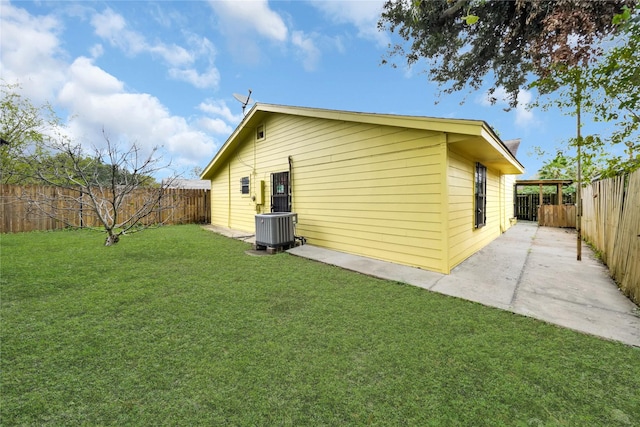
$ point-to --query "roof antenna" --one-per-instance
(244, 100)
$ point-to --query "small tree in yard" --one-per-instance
(103, 184)
(35, 150)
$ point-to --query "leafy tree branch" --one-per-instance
(465, 41)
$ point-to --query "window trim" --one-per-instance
(261, 132)
(245, 186)
(480, 196)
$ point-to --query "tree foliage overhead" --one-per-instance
(465, 40)
(564, 166)
(618, 74)
(24, 128)
(607, 90)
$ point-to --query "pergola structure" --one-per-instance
(557, 215)
(558, 183)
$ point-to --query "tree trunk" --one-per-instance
(112, 239)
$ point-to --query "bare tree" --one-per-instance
(114, 187)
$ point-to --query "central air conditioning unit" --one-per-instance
(275, 229)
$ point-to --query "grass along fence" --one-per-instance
(19, 211)
(611, 223)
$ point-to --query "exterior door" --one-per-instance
(280, 192)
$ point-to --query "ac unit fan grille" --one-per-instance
(275, 229)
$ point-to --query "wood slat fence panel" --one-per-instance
(526, 205)
(19, 212)
(557, 216)
(611, 223)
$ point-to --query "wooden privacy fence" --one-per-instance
(611, 222)
(557, 216)
(19, 212)
(526, 205)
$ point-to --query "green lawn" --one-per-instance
(178, 326)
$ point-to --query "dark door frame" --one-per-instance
(280, 192)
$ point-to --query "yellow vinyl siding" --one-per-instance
(464, 238)
(220, 198)
(368, 184)
(365, 189)
(507, 189)
(242, 215)
(376, 193)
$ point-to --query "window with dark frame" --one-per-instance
(244, 185)
(480, 196)
(260, 133)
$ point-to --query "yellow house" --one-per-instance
(419, 191)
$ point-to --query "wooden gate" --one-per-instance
(526, 208)
(557, 216)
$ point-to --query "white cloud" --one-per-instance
(98, 101)
(307, 49)
(241, 20)
(363, 14)
(113, 28)
(216, 125)
(166, 17)
(245, 24)
(82, 72)
(249, 16)
(220, 108)
(96, 50)
(210, 78)
(30, 52)
(202, 46)
(524, 117)
(174, 55)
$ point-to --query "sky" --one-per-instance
(163, 73)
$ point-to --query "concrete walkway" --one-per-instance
(529, 270)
